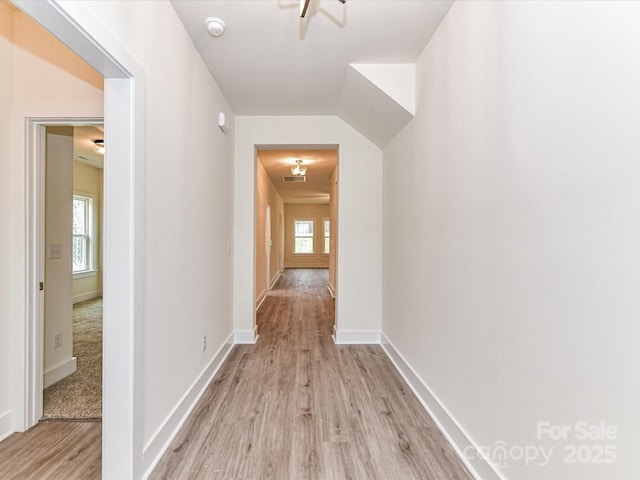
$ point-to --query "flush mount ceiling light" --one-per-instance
(304, 4)
(99, 146)
(298, 169)
(215, 26)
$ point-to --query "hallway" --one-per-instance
(295, 405)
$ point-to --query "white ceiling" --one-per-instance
(271, 62)
(83, 146)
(320, 166)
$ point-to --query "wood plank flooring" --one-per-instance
(297, 406)
(53, 450)
(293, 406)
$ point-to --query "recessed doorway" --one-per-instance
(298, 186)
(71, 320)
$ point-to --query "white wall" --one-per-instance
(88, 180)
(72, 89)
(58, 303)
(6, 90)
(359, 263)
(188, 207)
(511, 226)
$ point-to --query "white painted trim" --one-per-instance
(307, 266)
(347, 337)
(275, 280)
(28, 411)
(87, 296)
(246, 336)
(6, 424)
(35, 217)
(479, 466)
(60, 371)
(122, 426)
(261, 299)
(85, 274)
(265, 293)
(161, 439)
(331, 289)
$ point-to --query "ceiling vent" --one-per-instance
(294, 178)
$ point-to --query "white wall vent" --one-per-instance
(295, 178)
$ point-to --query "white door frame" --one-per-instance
(267, 235)
(280, 243)
(36, 178)
(122, 447)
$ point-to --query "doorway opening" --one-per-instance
(71, 320)
(298, 186)
(122, 444)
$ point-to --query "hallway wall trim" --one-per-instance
(6, 424)
(87, 296)
(453, 432)
(261, 298)
(160, 441)
(60, 371)
(275, 279)
(348, 337)
(246, 336)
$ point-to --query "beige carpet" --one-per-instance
(79, 396)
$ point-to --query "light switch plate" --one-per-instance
(55, 252)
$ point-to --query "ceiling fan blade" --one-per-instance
(304, 4)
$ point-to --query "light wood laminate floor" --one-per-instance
(297, 406)
(54, 450)
(293, 406)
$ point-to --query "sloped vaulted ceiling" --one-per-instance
(352, 60)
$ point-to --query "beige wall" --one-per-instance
(333, 212)
(88, 180)
(6, 89)
(266, 194)
(306, 212)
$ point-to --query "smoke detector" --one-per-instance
(215, 26)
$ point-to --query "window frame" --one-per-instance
(312, 236)
(88, 236)
(326, 236)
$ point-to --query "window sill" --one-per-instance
(85, 274)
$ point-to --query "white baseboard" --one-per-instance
(161, 439)
(87, 296)
(346, 337)
(454, 433)
(246, 336)
(6, 424)
(275, 280)
(60, 371)
(332, 289)
(261, 298)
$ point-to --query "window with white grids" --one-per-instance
(303, 233)
(82, 247)
(327, 235)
